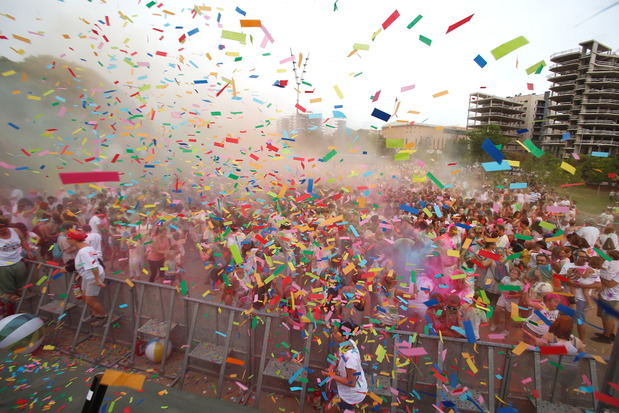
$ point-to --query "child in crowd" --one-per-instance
(510, 294)
(582, 282)
(172, 266)
(544, 314)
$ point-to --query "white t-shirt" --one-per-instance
(94, 223)
(590, 234)
(351, 359)
(10, 249)
(612, 236)
(540, 327)
(579, 293)
(94, 240)
(610, 271)
(85, 261)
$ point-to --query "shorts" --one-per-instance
(345, 406)
(90, 288)
(612, 304)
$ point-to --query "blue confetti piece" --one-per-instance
(379, 114)
(492, 150)
(600, 154)
(295, 375)
(410, 209)
(192, 32)
(338, 115)
(542, 317)
(518, 185)
(463, 226)
(239, 11)
(200, 82)
(480, 61)
(521, 131)
(14, 126)
(565, 309)
(430, 303)
(566, 136)
(494, 166)
(468, 330)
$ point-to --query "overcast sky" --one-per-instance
(395, 59)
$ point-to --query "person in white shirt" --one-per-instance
(349, 378)
(589, 232)
(94, 240)
(96, 220)
(91, 272)
(609, 296)
(609, 240)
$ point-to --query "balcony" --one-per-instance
(562, 97)
(497, 108)
(563, 66)
(598, 132)
(604, 80)
(604, 142)
(565, 55)
(558, 77)
(601, 102)
(560, 106)
(589, 111)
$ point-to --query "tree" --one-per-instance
(595, 170)
(476, 138)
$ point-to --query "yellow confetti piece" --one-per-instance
(338, 91)
(129, 282)
(439, 94)
(9, 73)
(514, 163)
(49, 347)
(467, 243)
(520, 348)
(453, 253)
(567, 167)
(32, 97)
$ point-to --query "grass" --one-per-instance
(588, 201)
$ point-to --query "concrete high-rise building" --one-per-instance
(520, 116)
(584, 104)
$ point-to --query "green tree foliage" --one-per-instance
(477, 136)
(595, 169)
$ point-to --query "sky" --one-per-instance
(396, 57)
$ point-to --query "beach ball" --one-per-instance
(154, 350)
(21, 333)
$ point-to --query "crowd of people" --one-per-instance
(497, 264)
(424, 259)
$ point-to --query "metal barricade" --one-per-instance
(261, 351)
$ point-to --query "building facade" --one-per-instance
(520, 116)
(584, 102)
(424, 136)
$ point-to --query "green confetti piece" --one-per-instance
(183, 287)
(436, 181)
(151, 4)
(547, 225)
(535, 67)
(236, 36)
(394, 143)
(508, 47)
(602, 254)
(513, 256)
(236, 254)
(402, 156)
(523, 237)
(215, 113)
(535, 151)
(414, 22)
(330, 155)
(510, 287)
(360, 46)
(425, 40)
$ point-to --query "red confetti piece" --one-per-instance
(459, 23)
(85, 177)
(390, 19)
(115, 158)
(159, 53)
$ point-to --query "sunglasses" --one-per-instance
(452, 308)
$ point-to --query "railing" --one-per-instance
(564, 64)
(603, 80)
(594, 101)
(598, 142)
(515, 107)
(565, 52)
(599, 132)
(261, 352)
(562, 74)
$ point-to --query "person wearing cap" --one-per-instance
(90, 270)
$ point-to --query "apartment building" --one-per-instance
(520, 116)
(584, 102)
